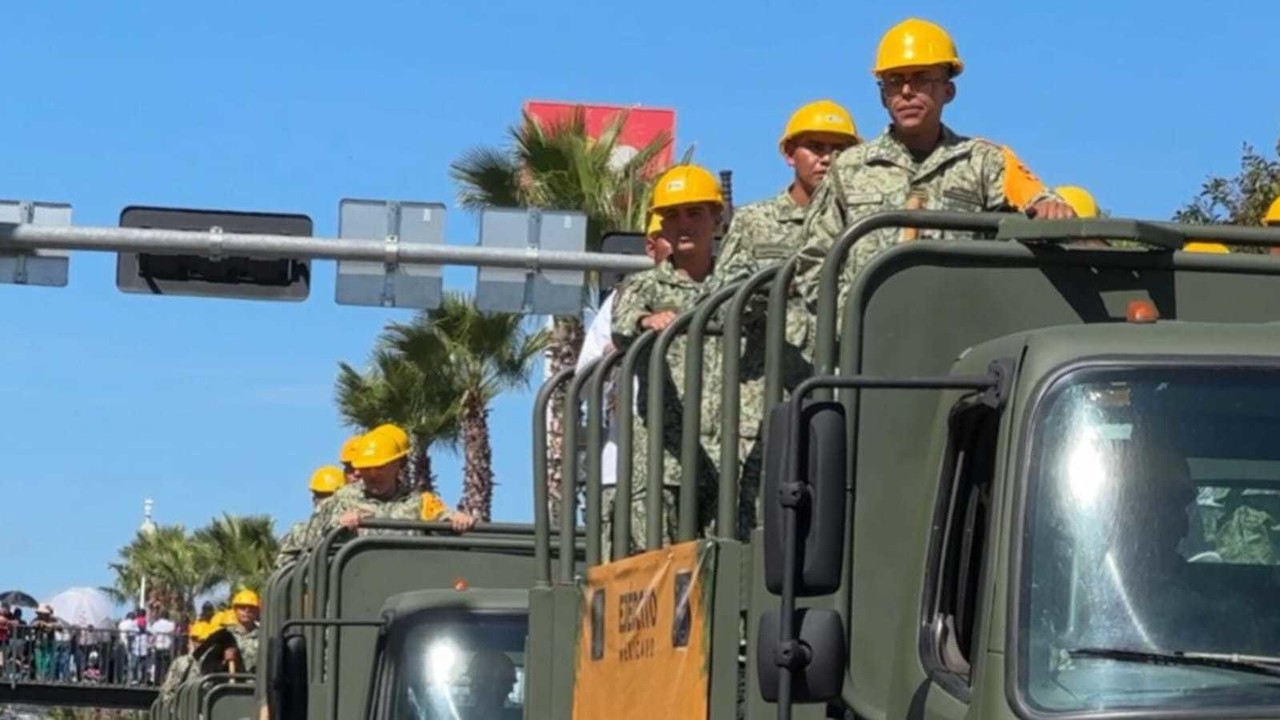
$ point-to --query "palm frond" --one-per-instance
(486, 177)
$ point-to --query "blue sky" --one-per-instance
(210, 406)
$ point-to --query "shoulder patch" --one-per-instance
(432, 508)
(1021, 186)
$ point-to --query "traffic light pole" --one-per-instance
(215, 245)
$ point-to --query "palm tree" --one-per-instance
(486, 354)
(560, 167)
(243, 549)
(421, 397)
(177, 568)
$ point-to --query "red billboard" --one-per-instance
(642, 124)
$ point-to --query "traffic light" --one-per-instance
(224, 277)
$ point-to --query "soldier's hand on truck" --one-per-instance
(461, 521)
(1051, 210)
(351, 519)
(659, 320)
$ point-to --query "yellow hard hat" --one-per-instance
(1273, 214)
(348, 452)
(916, 42)
(685, 184)
(1079, 199)
(199, 630)
(223, 618)
(378, 449)
(245, 598)
(655, 225)
(1204, 246)
(395, 432)
(822, 116)
(327, 479)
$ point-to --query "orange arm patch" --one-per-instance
(433, 508)
(1021, 186)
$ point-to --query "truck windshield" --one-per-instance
(1151, 555)
(461, 669)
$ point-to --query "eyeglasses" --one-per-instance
(892, 84)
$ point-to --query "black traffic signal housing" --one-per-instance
(287, 279)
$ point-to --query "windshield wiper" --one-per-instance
(1258, 665)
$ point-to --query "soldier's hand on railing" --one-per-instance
(351, 518)
(1051, 210)
(659, 320)
(461, 521)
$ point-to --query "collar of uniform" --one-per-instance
(887, 148)
(669, 273)
(787, 207)
(399, 492)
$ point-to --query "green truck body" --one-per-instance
(970, 514)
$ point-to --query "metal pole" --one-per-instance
(144, 240)
(148, 528)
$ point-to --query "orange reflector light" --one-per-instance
(1141, 311)
(459, 584)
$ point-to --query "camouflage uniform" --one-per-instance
(1248, 533)
(404, 504)
(247, 642)
(645, 293)
(961, 174)
(183, 668)
(762, 234)
(291, 544)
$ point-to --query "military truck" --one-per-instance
(1028, 477)
(345, 628)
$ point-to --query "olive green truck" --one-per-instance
(1028, 477)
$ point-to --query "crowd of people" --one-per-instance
(136, 650)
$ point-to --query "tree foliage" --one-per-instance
(559, 166)
(1241, 199)
(230, 553)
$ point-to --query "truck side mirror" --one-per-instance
(817, 662)
(819, 485)
(289, 687)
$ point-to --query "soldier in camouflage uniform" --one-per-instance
(378, 494)
(598, 344)
(768, 231)
(325, 481)
(765, 233)
(186, 666)
(918, 163)
(689, 200)
(247, 606)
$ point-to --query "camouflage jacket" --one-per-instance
(961, 174)
(404, 504)
(291, 544)
(247, 642)
(760, 234)
(184, 667)
(652, 291)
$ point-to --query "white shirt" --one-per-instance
(599, 336)
(127, 629)
(162, 630)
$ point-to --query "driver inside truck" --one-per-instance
(492, 677)
(1149, 596)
